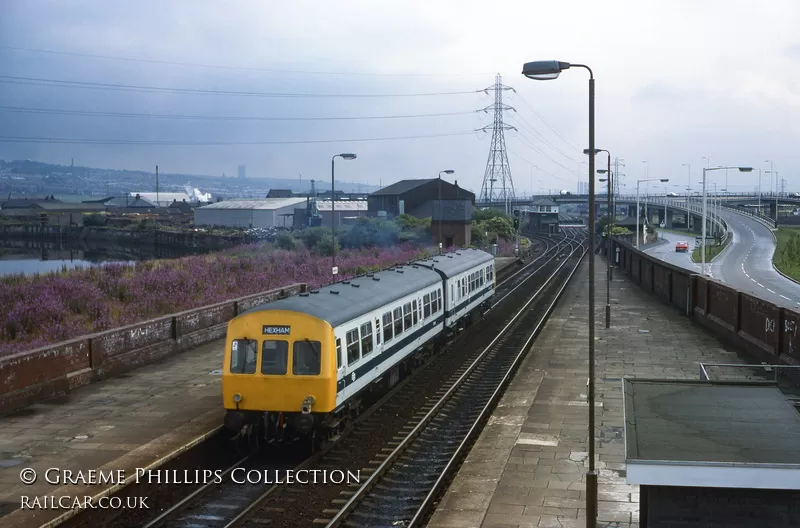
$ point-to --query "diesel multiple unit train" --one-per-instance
(300, 367)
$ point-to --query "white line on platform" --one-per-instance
(785, 297)
(770, 290)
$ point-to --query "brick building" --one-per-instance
(447, 205)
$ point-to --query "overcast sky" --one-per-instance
(676, 81)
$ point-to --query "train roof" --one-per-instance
(355, 297)
(459, 261)
(349, 299)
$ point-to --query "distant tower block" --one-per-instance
(241, 172)
(497, 185)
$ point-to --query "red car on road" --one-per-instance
(682, 246)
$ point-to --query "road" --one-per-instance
(746, 264)
(667, 253)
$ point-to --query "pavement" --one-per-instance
(527, 468)
(126, 422)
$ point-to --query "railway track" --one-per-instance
(405, 483)
(231, 503)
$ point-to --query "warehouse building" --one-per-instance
(347, 211)
(266, 213)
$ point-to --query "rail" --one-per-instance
(446, 401)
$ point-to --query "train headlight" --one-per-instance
(237, 397)
(307, 403)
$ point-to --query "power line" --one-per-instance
(540, 151)
(90, 141)
(88, 113)
(242, 68)
(532, 164)
(530, 128)
(537, 114)
(37, 81)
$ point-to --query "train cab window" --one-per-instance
(306, 358)
(274, 356)
(387, 326)
(414, 311)
(377, 332)
(398, 321)
(426, 305)
(338, 353)
(353, 353)
(243, 356)
(366, 339)
(406, 316)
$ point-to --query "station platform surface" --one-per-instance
(527, 469)
(130, 421)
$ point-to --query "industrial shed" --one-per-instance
(269, 212)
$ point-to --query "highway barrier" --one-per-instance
(36, 375)
(765, 331)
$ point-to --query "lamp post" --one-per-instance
(546, 70)
(772, 171)
(448, 171)
(664, 180)
(703, 241)
(689, 188)
(334, 270)
(609, 226)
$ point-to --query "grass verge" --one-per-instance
(787, 252)
(711, 252)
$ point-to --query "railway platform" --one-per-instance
(527, 467)
(138, 419)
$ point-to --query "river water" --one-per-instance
(29, 257)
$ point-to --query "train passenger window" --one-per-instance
(338, 353)
(438, 300)
(387, 326)
(426, 305)
(398, 321)
(243, 356)
(414, 312)
(464, 291)
(306, 358)
(353, 353)
(274, 356)
(377, 332)
(406, 316)
(366, 339)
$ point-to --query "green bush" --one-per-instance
(285, 241)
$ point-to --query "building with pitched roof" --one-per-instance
(447, 205)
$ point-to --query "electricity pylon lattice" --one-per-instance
(497, 184)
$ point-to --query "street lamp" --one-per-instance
(547, 70)
(609, 227)
(688, 189)
(771, 171)
(664, 180)
(334, 270)
(448, 171)
(703, 241)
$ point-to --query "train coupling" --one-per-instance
(307, 403)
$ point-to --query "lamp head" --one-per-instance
(544, 70)
(603, 179)
(745, 169)
(664, 180)
(449, 171)
(602, 171)
(348, 156)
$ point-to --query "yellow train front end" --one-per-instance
(279, 374)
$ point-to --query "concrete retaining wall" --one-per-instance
(766, 331)
(30, 377)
